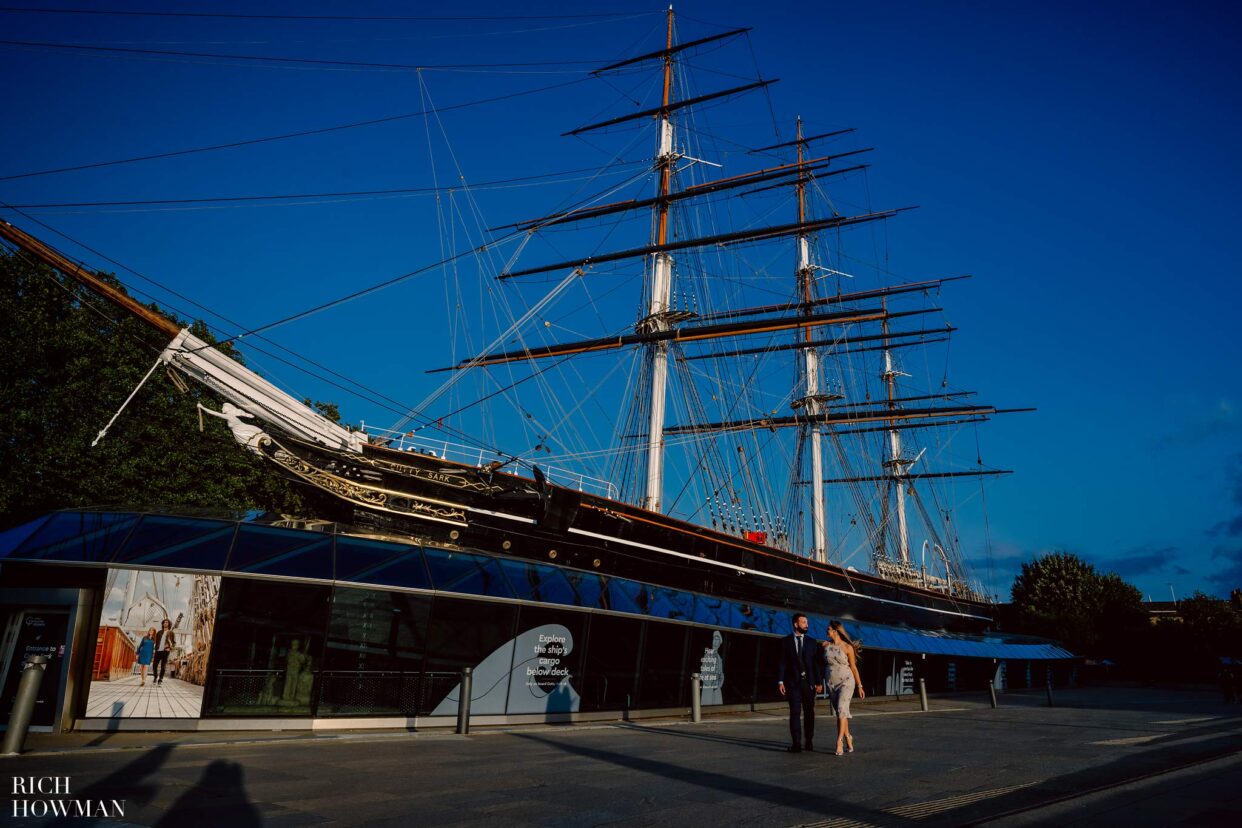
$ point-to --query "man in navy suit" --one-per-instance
(801, 678)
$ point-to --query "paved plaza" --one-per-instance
(1100, 757)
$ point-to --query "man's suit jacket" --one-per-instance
(792, 667)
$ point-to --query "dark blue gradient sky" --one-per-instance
(1081, 159)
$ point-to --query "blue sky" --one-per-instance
(1079, 159)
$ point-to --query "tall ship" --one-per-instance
(772, 443)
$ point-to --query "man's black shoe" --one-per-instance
(810, 746)
(793, 749)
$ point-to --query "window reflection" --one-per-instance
(267, 648)
(374, 655)
(611, 666)
(463, 572)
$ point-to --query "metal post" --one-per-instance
(992, 693)
(923, 695)
(696, 703)
(463, 701)
(1049, 688)
(24, 705)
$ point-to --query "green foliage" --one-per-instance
(1212, 627)
(1062, 596)
(67, 367)
(326, 409)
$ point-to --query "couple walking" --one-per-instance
(806, 666)
(156, 646)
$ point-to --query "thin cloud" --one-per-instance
(1144, 561)
(1230, 576)
(1232, 527)
(1221, 419)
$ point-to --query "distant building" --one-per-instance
(1159, 611)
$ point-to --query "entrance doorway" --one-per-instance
(32, 632)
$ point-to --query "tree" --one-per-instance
(1213, 627)
(1053, 597)
(1062, 596)
(69, 362)
(1123, 623)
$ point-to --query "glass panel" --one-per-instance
(88, 537)
(465, 633)
(664, 680)
(267, 649)
(671, 603)
(749, 619)
(818, 626)
(539, 582)
(627, 596)
(610, 679)
(373, 659)
(772, 621)
(282, 552)
(715, 612)
(181, 543)
(767, 676)
(463, 572)
(11, 539)
(589, 586)
(782, 622)
(375, 562)
(740, 654)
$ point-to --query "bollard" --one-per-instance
(23, 706)
(992, 694)
(463, 702)
(923, 695)
(1049, 687)
(696, 701)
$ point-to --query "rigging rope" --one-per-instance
(104, 431)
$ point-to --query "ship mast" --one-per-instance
(813, 400)
(661, 328)
(896, 464)
(659, 290)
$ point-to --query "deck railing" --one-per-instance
(479, 457)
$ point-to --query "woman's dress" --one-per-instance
(840, 680)
(146, 649)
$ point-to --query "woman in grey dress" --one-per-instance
(841, 660)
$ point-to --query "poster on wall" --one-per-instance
(528, 674)
(153, 643)
(711, 672)
(900, 682)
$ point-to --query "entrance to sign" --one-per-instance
(31, 633)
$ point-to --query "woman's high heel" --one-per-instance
(839, 751)
(849, 744)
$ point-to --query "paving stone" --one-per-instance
(960, 763)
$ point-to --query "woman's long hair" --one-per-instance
(856, 646)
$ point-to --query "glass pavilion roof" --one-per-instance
(233, 546)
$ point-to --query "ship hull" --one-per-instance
(427, 499)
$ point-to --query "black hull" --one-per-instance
(431, 500)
